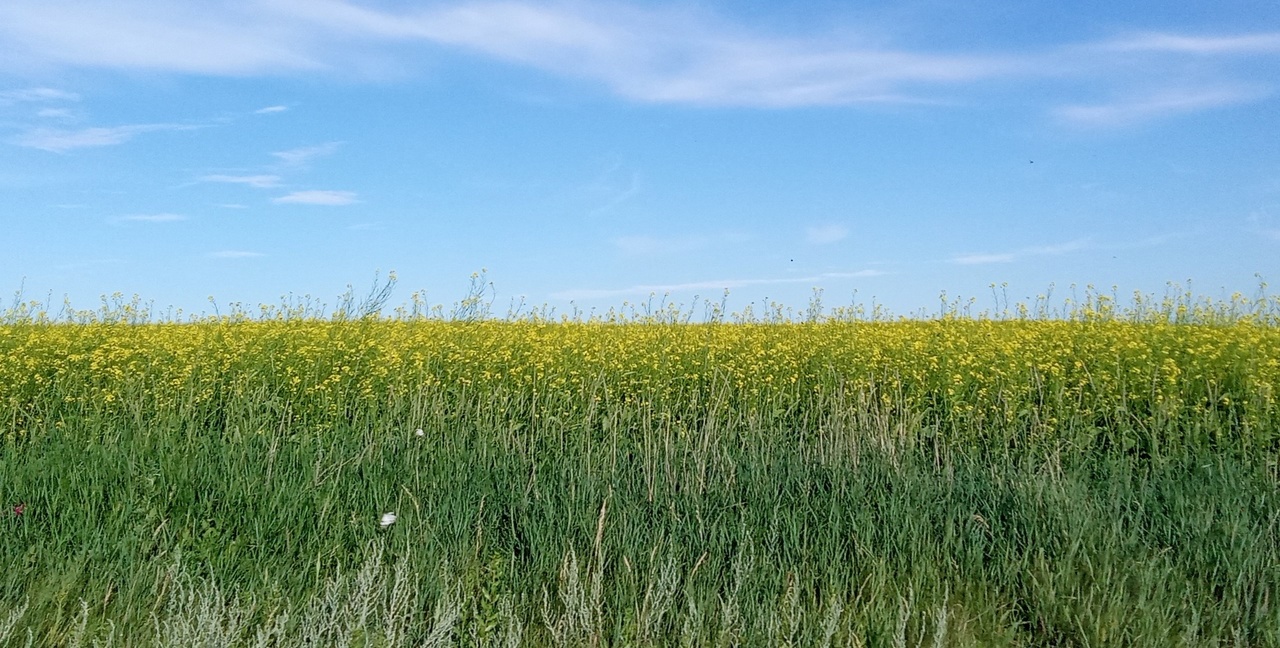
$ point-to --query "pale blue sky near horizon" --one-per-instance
(594, 153)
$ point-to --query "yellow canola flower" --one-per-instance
(960, 375)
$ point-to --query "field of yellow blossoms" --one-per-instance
(1089, 476)
(960, 377)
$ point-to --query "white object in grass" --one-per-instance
(388, 519)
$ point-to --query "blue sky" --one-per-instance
(593, 153)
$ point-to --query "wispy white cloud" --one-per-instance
(270, 109)
(259, 181)
(318, 197)
(715, 285)
(825, 234)
(1033, 251)
(153, 218)
(1263, 43)
(54, 113)
(303, 155)
(618, 192)
(189, 37)
(234, 254)
(678, 57)
(38, 95)
(643, 53)
(982, 259)
(649, 245)
(1164, 103)
(60, 141)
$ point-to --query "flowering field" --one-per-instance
(1094, 480)
(1019, 381)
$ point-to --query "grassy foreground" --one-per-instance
(1101, 479)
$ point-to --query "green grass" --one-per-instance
(629, 536)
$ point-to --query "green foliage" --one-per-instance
(1094, 480)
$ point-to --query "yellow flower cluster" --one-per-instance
(953, 375)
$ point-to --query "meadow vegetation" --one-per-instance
(1093, 473)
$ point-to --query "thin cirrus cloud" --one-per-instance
(270, 110)
(258, 181)
(57, 140)
(302, 155)
(641, 53)
(620, 191)
(670, 57)
(318, 197)
(720, 284)
(189, 37)
(1164, 103)
(54, 113)
(1263, 43)
(647, 245)
(153, 218)
(37, 95)
(1027, 252)
(825, 234)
